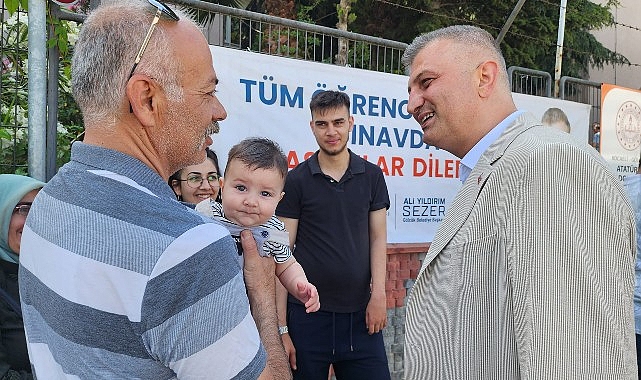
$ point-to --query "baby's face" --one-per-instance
(250, 196)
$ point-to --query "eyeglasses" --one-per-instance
(195, 181)
(22, 208)
(163, 9)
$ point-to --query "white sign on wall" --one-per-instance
(621, 128)
(269, 96)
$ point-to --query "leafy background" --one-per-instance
(14, 87)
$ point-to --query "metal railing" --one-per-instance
(531, 82)
(242, 29)
(246, 30)
(582, 91)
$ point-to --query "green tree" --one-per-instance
(530, 42)
(13, 115)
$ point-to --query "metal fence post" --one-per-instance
(52, 106)
(37, 35)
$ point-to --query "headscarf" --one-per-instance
(12, 188)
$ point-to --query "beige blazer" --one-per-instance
(531, 273)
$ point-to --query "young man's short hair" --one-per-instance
(324, 100)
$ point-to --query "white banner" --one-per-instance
(578, 113)
(269, 96)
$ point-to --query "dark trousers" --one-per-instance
(638, 355)
(324, 338)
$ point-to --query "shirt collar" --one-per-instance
(356, 166)
(472, 157)
(98, 157)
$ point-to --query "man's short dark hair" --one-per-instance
(325, 100)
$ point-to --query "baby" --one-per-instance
(251, 189)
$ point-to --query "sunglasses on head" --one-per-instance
(162, 9)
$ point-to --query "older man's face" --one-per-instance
(192, 119)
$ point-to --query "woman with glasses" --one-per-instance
(16, 194)
(196, 183)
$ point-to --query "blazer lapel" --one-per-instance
(465, 199)
(460, 208)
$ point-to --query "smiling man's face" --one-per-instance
(442, 94)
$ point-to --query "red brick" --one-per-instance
(414, 273)
(398, 293)
(399, 303)
(391, 303)
(392, 275)
(405, 264)
(403, 274)
(395, 248)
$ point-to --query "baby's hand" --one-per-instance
(308, 294)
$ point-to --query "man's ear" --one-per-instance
(143, 93)
(488, 75)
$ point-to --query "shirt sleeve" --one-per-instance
(380, 198)
(280, 252)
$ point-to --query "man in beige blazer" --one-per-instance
(531, 274)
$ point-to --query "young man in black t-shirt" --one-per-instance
(334, 208)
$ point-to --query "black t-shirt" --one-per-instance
(332, 240)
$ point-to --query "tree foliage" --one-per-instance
(530, 42)
(13, 112)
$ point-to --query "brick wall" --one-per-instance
(403, 264)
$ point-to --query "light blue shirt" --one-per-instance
(633, 188)
(472, 157)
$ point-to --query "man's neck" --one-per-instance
(334, 165)
(123, 140)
